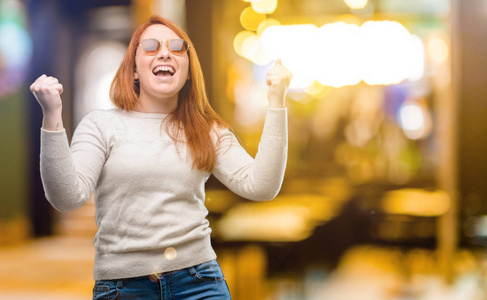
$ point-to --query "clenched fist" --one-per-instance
(47, 91)
(278, 79)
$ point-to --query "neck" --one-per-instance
(158, 106)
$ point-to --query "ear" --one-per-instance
(136, 76)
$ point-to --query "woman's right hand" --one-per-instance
(47, 91)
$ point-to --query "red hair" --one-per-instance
(193, 116)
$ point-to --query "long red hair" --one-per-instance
(193, 116)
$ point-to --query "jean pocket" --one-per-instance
(207, 271)
(105, 290)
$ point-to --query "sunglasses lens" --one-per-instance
(150, 46)
(178, 46)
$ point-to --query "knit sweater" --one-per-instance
(150, 210)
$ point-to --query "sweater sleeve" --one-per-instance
(69, 175)
(260, 178)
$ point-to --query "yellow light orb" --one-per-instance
(250, 19)
(315, 88)
(266, 24)
(356, 4)
(251, 46)
(438, 49)
(239, 40)
(264, 6)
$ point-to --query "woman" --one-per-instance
(147, 162)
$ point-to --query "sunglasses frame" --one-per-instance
(167, 45)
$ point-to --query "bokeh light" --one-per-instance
(250, 19)
(94, 73)
(414, 119)
(295, 46)
(15, 46)
(252, 50)
(170, 253)
(356, 4)
(239, 39)
(340, 54)
(337, 56)
(438, 49)
(267, 23)
(264, 6)
(385, 47)
(411, 117)
(416, 202)
(416, 58)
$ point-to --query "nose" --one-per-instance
(164, 51)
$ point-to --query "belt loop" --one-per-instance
(119, 284)
(192, 271)
(160, 276)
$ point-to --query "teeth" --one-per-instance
(163, 68)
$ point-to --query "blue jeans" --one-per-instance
(204, 281)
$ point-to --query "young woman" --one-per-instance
(147, 162)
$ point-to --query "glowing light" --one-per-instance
(416, 58)
(438, 49)
(250, 97)
(154, 276)
(297, 95)
(384, 46)
(251, 46)
(293, 44)
(338, 54)
(416, 202)
(264, 6)
(265, 24)
(315, 88)
(414, 120)
(15, 46)
(252, 50)
(283, 219)
(170, 253)
(356, 4)
(337, 59)
(411, 117)
(239, 40)
(94, 72)
(250, 19)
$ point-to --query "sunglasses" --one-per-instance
(175, 46)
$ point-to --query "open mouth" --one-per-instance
(163, 71)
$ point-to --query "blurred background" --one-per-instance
(385, 194)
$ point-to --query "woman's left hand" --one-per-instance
(278, 79)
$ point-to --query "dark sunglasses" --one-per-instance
(175, 46)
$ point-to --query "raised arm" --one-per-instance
(260, 178)
(68, 182)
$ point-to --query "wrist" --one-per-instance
(52, 111)
(52, 120)
(276, 104)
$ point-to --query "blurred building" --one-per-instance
(387, 123)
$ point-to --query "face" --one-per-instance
(161, 76)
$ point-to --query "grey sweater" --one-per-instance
(150, 208)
